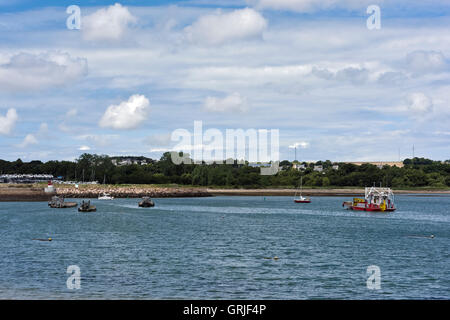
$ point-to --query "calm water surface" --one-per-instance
(217, 248)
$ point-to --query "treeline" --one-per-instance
(417, 172)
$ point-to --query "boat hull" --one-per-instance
(91, 209)
(368, 208)
(302, 201)
(64, 205)
(371, 209)
(146, 205)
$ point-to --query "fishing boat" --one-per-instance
(375, 199)
(105, 196)
(86, 207)
(59, 203)
(146, 203)
(300, 198)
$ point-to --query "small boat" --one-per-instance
(301, 199)
(59, 203)
(105, 196)
(375, 199)
(86, 207)
(146, 203)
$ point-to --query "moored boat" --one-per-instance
(86, 207)
(105, 196)
(59, 203)
(375, 199)
(146, 203)
(300, 198)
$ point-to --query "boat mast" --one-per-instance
(301, 186)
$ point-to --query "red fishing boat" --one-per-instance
(375, 199)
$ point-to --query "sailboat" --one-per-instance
(301, 199)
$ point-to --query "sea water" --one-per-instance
(226, 248)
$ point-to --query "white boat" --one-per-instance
(301, 199)
(105, 196)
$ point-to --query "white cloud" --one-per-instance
(426, 61)
(84, 148)
(8, 121)
(29, 139)
(219, 28)
(231, 103)
(302, 144)
(110, 24)
(128, 114)
(27, 71)
(309, 5)
(419, 104)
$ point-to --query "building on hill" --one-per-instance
(298, 166)
(318, 168)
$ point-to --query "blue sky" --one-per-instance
(138, 70)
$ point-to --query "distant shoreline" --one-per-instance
(36, 193)
(11, 192)
(315, 192)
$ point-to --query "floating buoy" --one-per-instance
(270, 258)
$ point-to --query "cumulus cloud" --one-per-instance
(108, 24)
(309, 5)
(29, 139)
(8, 121)
(128, 114)
(419, 103)
(219, 28)
(426, 61)
(27, 71)
(232, 103)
